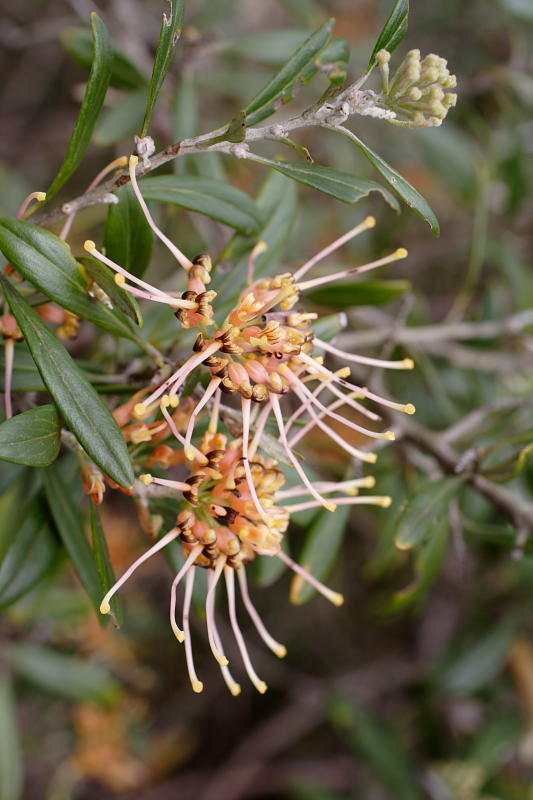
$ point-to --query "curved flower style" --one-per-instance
(221, 530)
(263, 350)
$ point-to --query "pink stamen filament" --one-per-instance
(176, 252)
(396, 256)
(259, 428)
(279, 649)
(406, 363)
(90, 247)
(191, 558)
(197, 685)
(230, 588)
(169, 537)
(369, 222)
(211, 389)
(347, 399)
(283, 436)
(121, 161)
(246, 460)
(334, 597)
(328, 486)
(213, 420)
(9, 347)
(182, 373)
(180, 486)
(39, 196)
(212, 578)
(384, 502)
(173, 302)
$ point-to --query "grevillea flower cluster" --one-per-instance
(234, 506)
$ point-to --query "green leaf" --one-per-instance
(103, 563)
(408, 193)
(124, 73)
(320, 551)
(280, 88)
(379, 747)
(31, 438)
(87, 417)
(393, 31)
(208, 196)
(480, 664)
(128, 237)
(336, 184)
(11, 767)
(26, 377)
(365, 293)
(171, 27)
(419, 516)
(333, 60)
(95, 92)
(46, 261)
(69, 523)
(31, 555)
(327, 327)
(63, 675)
(121, 120)
(121, 299)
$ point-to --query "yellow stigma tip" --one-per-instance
(390, 435)
(134, 160)
(197, 686)
(386, 501)
(409, 409)
(122, 161)
(120, 280)
(236, 690)
(370, 482)
(140, 410)
(105, 608)
(408, 363)
(174, 400)
(40, 196)
(401, 252)
(337, 599)
(261, 687)
(165, 400)
(147, 479)
(89, 245)
(372, 458)
(190, 453)
(330, 506)
(370, 222)
(281, 651)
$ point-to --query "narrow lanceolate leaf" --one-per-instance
(105, 278)
(320, 551)
(364, 293)
(421, 514)
(11, 768)
(393, 31)
(69, 523)
(336, 184)
(95, 92)
(281, 87)
(170, 32)
(124, 73)
(128, 236)
(103, 562)
(31, 555)
(407, 192)
(63, 675)
(32, 437)
(46, 261)
(208, 196)
(84, 412)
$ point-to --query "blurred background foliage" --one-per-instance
(421, 686)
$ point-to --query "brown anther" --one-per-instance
(227, 385)
(199, 343)
(231, 515)
(245, 390)
(259, 393)
(203, 260)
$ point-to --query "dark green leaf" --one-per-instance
(280, 88)
(30, 557)
(46, 261)
(408, 193)
(26, 377)
(11, 767)
(105, 278)
(320, 551)
(479, 665)
(128, 236)
(31, 438)
(393, 31)
(95, 92)
(336, 184)
(70, 525)
(208, 196)
(170, 32)
(63, 675)
(365, 293)
(124, 73)
(103, 563)
(428, 561)
(88, 418)
(379, 747)
(419, 517)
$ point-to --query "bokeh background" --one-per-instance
(383, 699)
